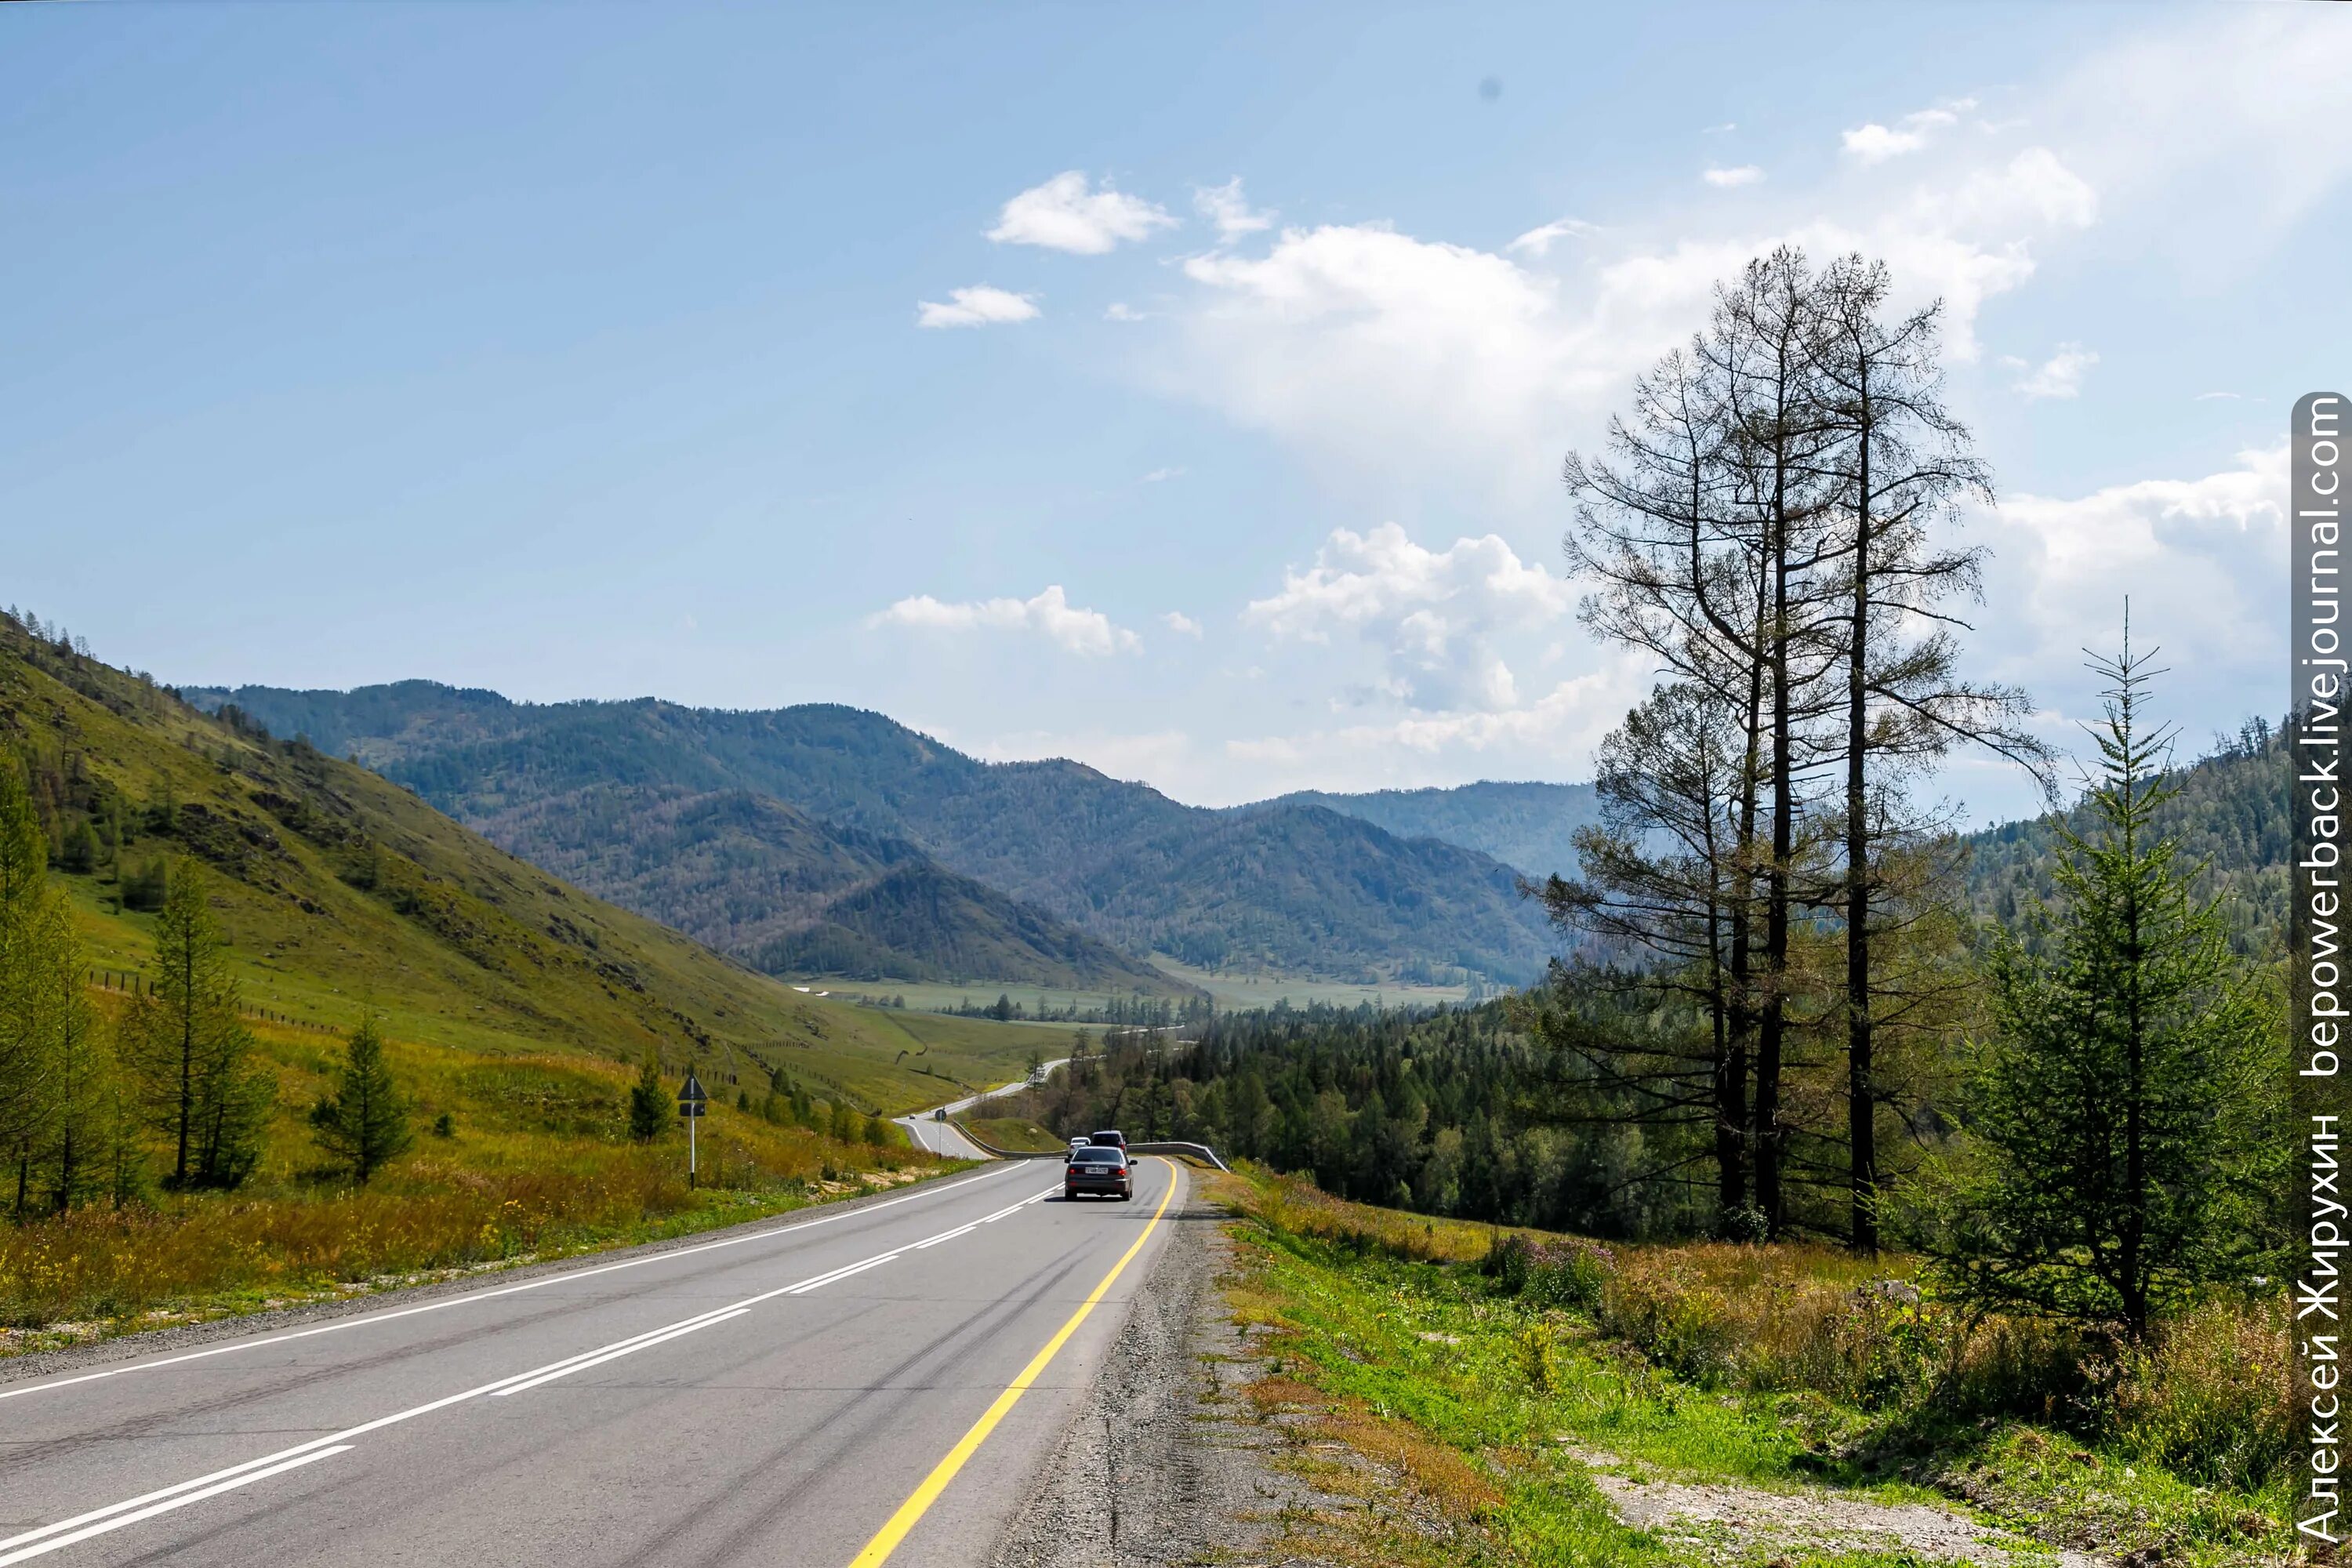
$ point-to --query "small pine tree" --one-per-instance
(2121, 1103)
(649, 1101)
(843, 1124)
(364, 1123)
(187, 1050)
(877, 1132)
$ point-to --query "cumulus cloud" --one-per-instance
(2060, 375)
(1725, 179)
(979, 305)
(2199, 559)
(1874, 144)
(1223, 206)
(1435, 615)
(1065, 213)
(1087, 633)
(1177, 621)
(1120, 310)
(1389, 356)
(1157, 476)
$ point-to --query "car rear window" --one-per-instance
(1096, 1157)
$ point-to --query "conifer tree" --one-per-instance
(188, 1051)
(2118, 1105)
(78, 1140)
(364, 1123)
(649, 1103)
(24, 1039)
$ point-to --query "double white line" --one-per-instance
(147, 1505)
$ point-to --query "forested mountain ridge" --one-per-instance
(752, 877)
(2228, 813)
(340, 891)
(1294, 887)
(1529, 827)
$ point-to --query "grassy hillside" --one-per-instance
(1292, 888)
(534, 1163)
(339, 887)
(1529, 827)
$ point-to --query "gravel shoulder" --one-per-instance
(1168, 1462)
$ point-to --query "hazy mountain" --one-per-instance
(1531, 827)
(1293, 887)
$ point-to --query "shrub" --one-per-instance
(2207, 1395)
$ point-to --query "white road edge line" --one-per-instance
(293, 1464)
(40, 1386)
(115, 1516)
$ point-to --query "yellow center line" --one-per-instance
(910, 1513)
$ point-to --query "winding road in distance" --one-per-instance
(946, 1137)
(854, 1384)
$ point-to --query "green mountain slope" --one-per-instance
(338, 886)
(2229, 814)
(1529, 827)
(1292, 888)
(749, 876)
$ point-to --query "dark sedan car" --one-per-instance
(1099, 1170)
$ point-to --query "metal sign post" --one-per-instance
(691, 1102)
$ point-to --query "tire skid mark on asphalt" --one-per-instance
(65, 1533)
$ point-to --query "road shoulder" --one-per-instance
(1163, 1462)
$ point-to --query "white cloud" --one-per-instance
(2201, 560)
(1177, 621)
(2217, 397)
(1157, 475)
(1874, 144)
(1223, 206)
(1120, 310)
(1725, 179)
(1539, 241)
(2061, 375)
(979, 305)
(1050, 614)
(1064, 214)
(1435, 615)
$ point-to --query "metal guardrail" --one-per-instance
(1192, 1150)
(1189, 1151)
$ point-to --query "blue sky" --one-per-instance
(579, 350)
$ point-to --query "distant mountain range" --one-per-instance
(824, 838)
(1531, 827)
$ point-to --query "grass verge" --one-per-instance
(1470, 1427)
(536, 1164)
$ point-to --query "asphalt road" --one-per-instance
(945, 1137)
(773, 1396)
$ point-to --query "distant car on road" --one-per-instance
(1110, 1138)
(1098, 1168)
(1080, 1142)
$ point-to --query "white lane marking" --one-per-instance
(44, 1384)
(946, 1235)
(115, 1516)
(668, 1334)
(166, 1506)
